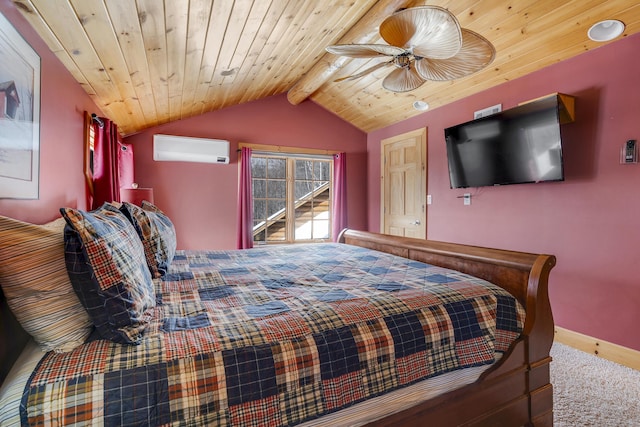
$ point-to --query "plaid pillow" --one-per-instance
(106, 264)
(35, 282)
(158, 236)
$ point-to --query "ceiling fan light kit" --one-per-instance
(420, 105)
(605, 31)
(424, 43)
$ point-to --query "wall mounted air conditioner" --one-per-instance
(170, 148)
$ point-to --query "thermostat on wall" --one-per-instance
(629, 152)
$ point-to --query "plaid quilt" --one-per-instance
(276, 336)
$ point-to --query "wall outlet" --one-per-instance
(467, 199)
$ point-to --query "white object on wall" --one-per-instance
(487, 111)
(170, 148)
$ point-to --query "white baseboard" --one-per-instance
(606, 350)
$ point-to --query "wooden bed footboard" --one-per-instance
(517, 391)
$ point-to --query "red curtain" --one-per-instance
(106, 164)
(245, 201)
(339, 207)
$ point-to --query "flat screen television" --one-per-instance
(517, 146)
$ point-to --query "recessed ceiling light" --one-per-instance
(420, 105)
(604, 31)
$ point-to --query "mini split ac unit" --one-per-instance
(169, 148)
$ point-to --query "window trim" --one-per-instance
(292, 153)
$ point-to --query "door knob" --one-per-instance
(416, 222)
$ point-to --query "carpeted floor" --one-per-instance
(590, 391)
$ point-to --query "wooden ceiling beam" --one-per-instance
(365, 31)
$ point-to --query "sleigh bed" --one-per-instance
(374, 330)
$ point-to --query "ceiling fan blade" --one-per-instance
(475, 54)
(365, 72)
(402, 79)
(364, 50)
(429, 31)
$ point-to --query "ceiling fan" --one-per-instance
(424, 43)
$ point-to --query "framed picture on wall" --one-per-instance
(19, 115)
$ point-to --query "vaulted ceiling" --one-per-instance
(147, 62)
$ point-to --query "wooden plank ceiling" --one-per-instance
(147, 62)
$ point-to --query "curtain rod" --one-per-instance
(285, 149)
(97, 119)
(291, 155)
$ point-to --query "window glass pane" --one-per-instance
(277, 168)
(259, 209)
(321, 210)
(302, 188)
(320, 184)
(276, 231)
(304, 211)
(303, 230)
(275, 207)
(304, 169)
(259, 236)
(259, 188)
(322, 197)
(321, 170)
(92, 140)
(321, 229)
(258, 167)
(277, 189)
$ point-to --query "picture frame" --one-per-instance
(19, 115)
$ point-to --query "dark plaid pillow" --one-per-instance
(106, 265)
(167, 231)
(157, 234)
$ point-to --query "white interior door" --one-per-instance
(404, 184)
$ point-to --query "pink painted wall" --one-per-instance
(589, 221)
(62, 102)
(201, 198)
